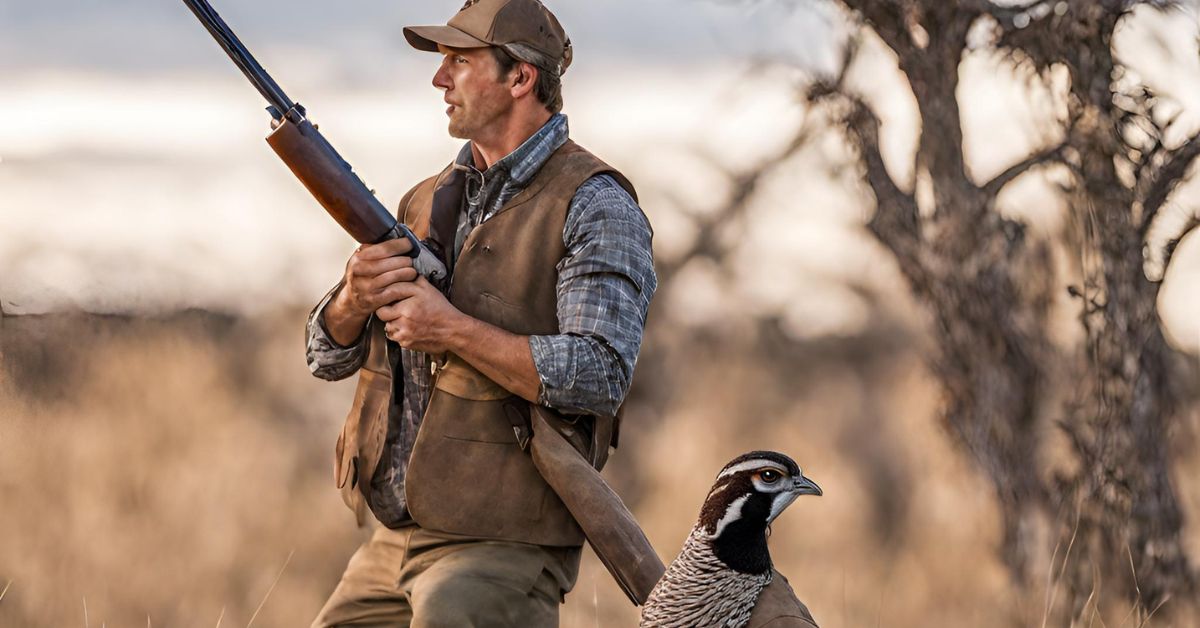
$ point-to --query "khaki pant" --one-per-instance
(411, 577)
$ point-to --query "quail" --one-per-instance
(723, 576)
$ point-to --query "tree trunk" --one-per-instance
(987, 287)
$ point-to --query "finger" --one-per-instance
(376, 301)
(400, 275)
(388, 295)
(390, 248)
(373, 268)
(401, 291)
(388, 314)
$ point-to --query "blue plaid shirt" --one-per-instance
(605, 284)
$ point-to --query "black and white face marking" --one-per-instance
(750, 492)
(764, 476)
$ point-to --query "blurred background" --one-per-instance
(165, 456)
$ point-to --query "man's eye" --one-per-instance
(460, 59)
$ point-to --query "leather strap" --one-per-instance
(607, 523)
(457, 377)
(462, 380)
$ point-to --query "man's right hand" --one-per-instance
(372, 276)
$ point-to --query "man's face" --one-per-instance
(477, 95)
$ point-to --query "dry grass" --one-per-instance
(177, 470)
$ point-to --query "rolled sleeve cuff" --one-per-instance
(578, 375)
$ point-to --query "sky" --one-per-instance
(125, 122)
(134, 177)
(160, 35)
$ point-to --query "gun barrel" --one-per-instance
(240, 55)
(313, 159)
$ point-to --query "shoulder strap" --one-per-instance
(431, 209)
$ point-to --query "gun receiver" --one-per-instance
(314, 161)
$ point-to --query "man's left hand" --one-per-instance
(422, 320)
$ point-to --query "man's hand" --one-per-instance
(374, 276)
(422, 319)
(418, 317)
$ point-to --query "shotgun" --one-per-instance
(313, 159)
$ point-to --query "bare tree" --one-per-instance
(1124, 171)
(964, 260)
(988, 286)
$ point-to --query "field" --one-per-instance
(175, 471)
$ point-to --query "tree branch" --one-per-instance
(707, 243)
(993, 187)
(1151, 156)
(1169, 177)
(1006, 15)
(1173, 243)
(886, 20)
(896, 219)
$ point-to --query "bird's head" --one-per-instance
(750, 492)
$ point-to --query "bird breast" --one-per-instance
(699, 591)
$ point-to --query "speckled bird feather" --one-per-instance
(699, 591)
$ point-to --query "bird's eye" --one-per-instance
(769, 476)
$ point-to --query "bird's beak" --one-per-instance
(805, 486)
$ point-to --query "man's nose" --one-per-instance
(441, 78)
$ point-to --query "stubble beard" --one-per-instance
(459, 128)
(466, 124)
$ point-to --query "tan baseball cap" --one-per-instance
(483, 23)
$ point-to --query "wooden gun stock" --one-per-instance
(343, 195)
(610, 528)
(331, 181)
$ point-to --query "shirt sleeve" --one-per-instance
(327, 359)
(605, 284)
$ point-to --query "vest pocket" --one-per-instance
(467, 474)
(474, 421)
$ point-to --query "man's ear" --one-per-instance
(524, 80)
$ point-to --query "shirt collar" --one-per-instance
(524, 162)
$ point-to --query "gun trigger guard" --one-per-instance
(415, 251)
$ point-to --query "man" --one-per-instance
(551, 279)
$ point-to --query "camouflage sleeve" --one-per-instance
(327, 359)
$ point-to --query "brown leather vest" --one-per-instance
(468, 474)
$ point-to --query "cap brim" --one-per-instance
(427, 38)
